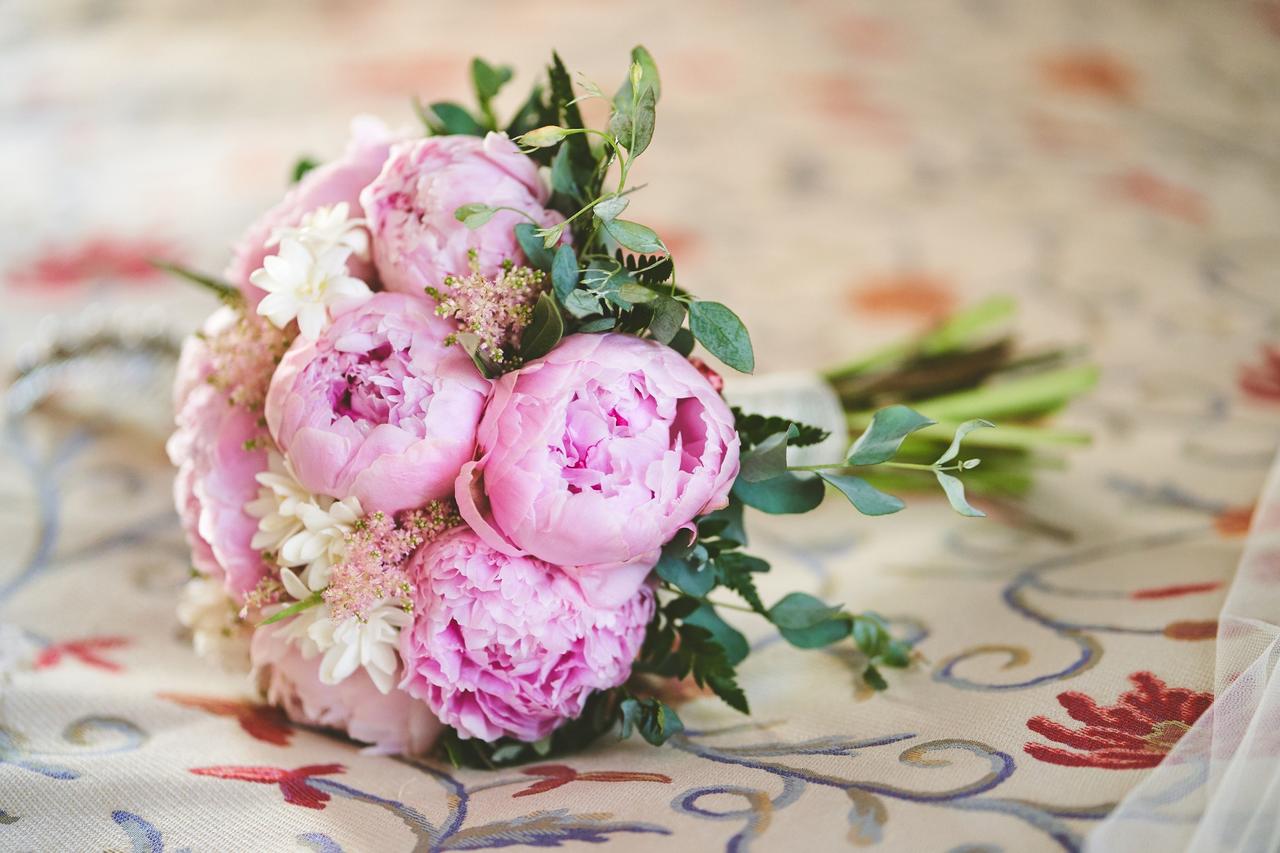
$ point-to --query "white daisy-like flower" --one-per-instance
(325, 228)
(371, 643)
(303, 530)
(217, 632)
(305, 284)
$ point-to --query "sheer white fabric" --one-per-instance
(1218, 790)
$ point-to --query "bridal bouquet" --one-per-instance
(448, 467)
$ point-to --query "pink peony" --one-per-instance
(393, 723)
(594, 456)
(378, 407)
(215, 479)
(326, 185)
(417, 241)
(504, 645)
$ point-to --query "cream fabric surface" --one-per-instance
(837, 173)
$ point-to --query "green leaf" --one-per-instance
(682, 342)
(293, 609)
(897, 653)
(655, 722)
(955, 495)
(564, 271)
(735, 569)
(788, 494)
(610, 207)
(732, 514)
(446, 117)
(677, 567)
(634, 292)
(634, 236)
(870, 636)
(735, 645)
(301, 167)
(867, 499)
(531, 244)
(641, 125)
(668, 317)
(582, 304)
(799, 610)
(544, 330)
(488, 80)
(600, 324)
(474, 215)
(723, 334)
(874, 679)
(964, 429)
(562, 179)
(768, 459)
(884, 436)
(818, 637)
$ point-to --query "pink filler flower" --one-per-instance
(378, 407)
(594, 456)
(504, 645)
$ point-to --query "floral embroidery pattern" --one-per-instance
(557, 775)
(261, 722)
(293, 783)
(1138, 731)
(84, 650)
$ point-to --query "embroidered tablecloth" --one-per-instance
(840, 173)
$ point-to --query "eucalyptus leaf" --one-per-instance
(474, 215)
(964, 429)
(532, 245)
(562, 178)
(634, 292)
(544, 330)
(634, 236)
(610, 207)
(668, 317)
(723, 334)
(881, 440)
(640, 127)
(955, 495)
(768, 459)
(678, 567)
(487, 79)
(564, 271)
(866, 498)
(682, 342)
(735, 645)
(600, 324)
(801, 610)
(789, 494)
(446, 118)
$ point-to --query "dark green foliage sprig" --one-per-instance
(608, 272)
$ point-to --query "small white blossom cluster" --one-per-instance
(307, 279)
(307, 535)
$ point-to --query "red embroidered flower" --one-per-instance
(1262, 381)
(261, 722)
(84, 650)
(102, 258)
(1137, 731)
(293, 783)
(555, 775)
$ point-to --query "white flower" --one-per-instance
(370, 643)
(217, 632)
(304, 530)
(305, 284)
(325, 228)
